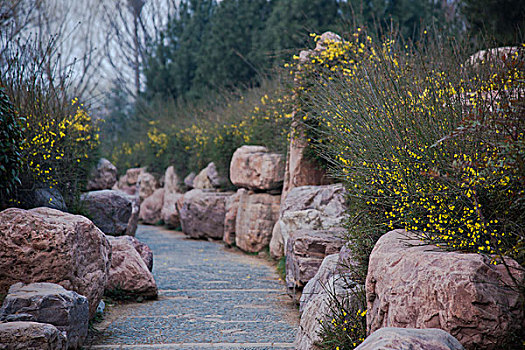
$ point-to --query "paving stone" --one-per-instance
(209, 298)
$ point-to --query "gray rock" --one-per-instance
(319, 309)
(31, 336)
(410, 338)
(110, 210)
(309, 207)
(305, 252)
(318, 283)
(44, 197)
(135, 214)
(188, 180)
(203, 212)
(103, 177)
(52, 304)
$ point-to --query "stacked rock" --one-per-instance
(252, 212)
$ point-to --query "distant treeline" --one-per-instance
(210, 45)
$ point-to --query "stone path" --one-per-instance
(209, 298)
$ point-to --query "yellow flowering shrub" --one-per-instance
(54, 145)
(192, 135)
(422, 141)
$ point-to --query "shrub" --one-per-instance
(190, 135)
(58, 136)
(423, 141)
(10, 143)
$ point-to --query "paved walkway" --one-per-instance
(209, 298)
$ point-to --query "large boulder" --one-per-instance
(410, 338)
(49, 303)
(170, 213)
(172, 183)
(305, 252)
(128, 183)
(317, 284)
(143, 249)
(103, 177)
(301, 170)
(308, 207)
(49, 197)
(147, 185)
(31, 336)
(320, 309)
(230, 217)
(209, 178)
(255, 168)
(47, 245)
(256, 216)
(202, 213)
(413, 286)
(128, 273)
(151, 207)
(110, 210)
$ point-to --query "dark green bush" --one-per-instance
(10, 144)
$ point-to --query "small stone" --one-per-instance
(31, 336)
(110, 210)
(103, 177)
(52, 304)
(410, 338)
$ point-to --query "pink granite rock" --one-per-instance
(151, 207)
(103, 177)
(256, 216)
(203, 212)
(411, 286)
(47, 245)
(305, 252)
(129, 273)
(230, 218)
(255, 168)
(169, 212)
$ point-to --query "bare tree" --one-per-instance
(61, 31)
(133, 25)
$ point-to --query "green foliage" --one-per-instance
(504, 20)
(281, 268)
(424, 142)
(345, 328)
(210, 46)
(10, 143)
(190, 135)
(56, 136)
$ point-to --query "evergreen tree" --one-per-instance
(502, 19)
(229, 55)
